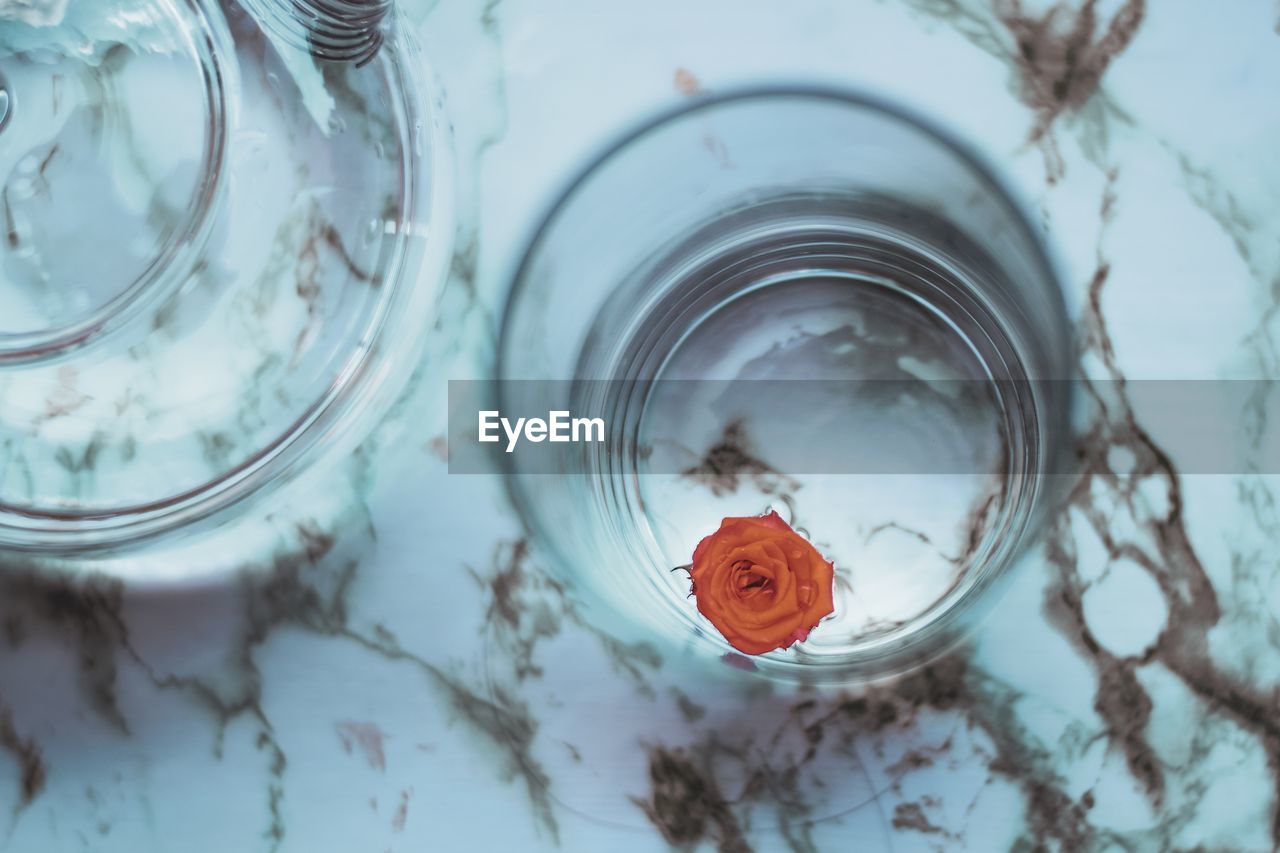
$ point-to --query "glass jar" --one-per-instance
(801, 300)
(223, 252)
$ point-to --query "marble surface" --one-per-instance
(401, 673)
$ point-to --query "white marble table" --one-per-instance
(408, 678)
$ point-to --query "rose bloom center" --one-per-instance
(753, 584)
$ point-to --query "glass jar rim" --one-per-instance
(968, 154)
(175, 256)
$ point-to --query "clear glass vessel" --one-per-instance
(793, 299)
(217, 267)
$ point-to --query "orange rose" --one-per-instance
(763, 585)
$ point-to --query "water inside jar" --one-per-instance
(814, 360)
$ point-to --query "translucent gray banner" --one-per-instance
(892, 426)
